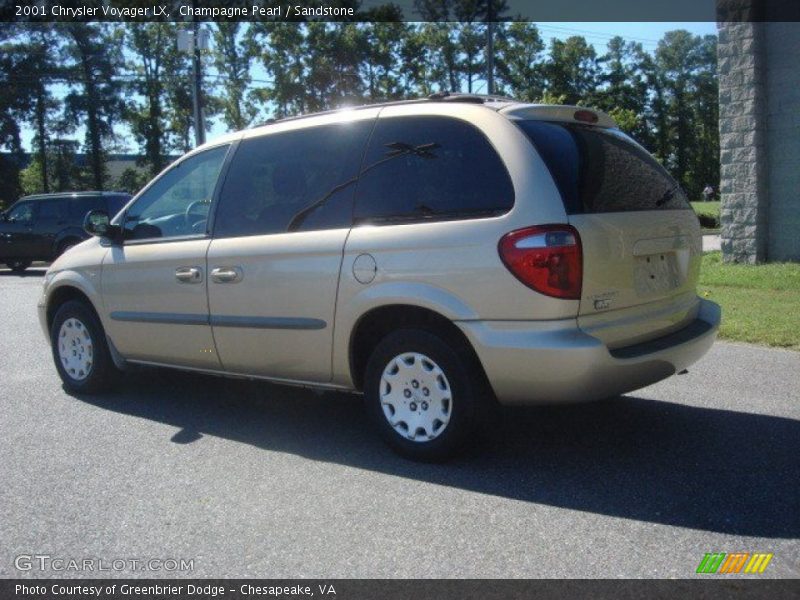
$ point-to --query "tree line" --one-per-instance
(60, 78)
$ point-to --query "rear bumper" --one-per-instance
(529, 362)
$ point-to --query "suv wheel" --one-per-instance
(18, 265)
(423, 394)
(80, 350)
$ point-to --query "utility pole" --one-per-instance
(490, 48)
(197, 97)
(192, 41)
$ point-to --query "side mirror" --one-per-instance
(98, 224)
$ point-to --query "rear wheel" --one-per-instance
(80, 350)
(18, 265)
(423, 393)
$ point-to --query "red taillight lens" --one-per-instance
(546, 258)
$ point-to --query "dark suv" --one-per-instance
(44, 226)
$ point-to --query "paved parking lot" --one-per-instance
(254, 480)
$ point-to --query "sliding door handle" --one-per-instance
(227, 274)
(189, 274)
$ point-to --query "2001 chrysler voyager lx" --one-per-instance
(433, 254)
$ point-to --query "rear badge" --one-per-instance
(603, 301)
(602, 304)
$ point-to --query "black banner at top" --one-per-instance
(409, 589)
(399, 10)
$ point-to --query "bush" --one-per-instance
(708, 214)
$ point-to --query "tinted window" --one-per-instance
(177, 203)
(114, 204)
(294, 181)
(428, 168)
(601, 170)
(78, 207)
(22, 212)
(51, 210)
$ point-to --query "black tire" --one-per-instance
(469, 393)
(102, 372)
(18, 265)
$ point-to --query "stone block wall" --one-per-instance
(759, 94)
(743, 139)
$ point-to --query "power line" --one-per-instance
(597, 34)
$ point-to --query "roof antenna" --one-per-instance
(439, 95)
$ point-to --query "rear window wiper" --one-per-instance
(422, 150)
(668, 195)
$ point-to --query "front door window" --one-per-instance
(177, 204)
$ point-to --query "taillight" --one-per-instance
(546, 258)
(585, 116)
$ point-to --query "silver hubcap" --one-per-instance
(75, 349)
(416, 397)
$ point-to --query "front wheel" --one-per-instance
(424, 394)
(80, 350)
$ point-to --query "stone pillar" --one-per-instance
(743, 138)
(783, 139)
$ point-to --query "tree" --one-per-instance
(93, 55)
(334, 54)
(571, 70)
(471, 39)
(683, 62)
(131, 180)
(414, 63)
(17, 101)
(178, 82)
(65, 173)
(706, 114)
(233, 54)
(443, 56)
(154, 65)
(622, 86)
(382, 49)
(40, 46)
(518, 60)
(282, 51)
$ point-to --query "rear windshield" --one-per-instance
(600, 171)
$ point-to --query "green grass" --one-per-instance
(708, 213)
(760, 303)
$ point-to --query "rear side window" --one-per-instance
(115, 204)
(51, 210)
(78, 207)
(298, 180)
(429, 168)
(600, 171)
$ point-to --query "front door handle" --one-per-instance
(227, 274)
(189, 274)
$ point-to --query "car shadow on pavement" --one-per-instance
(653, 461)
(26, 273)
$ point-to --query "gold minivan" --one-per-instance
(435, 255)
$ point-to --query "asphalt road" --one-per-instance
(254, 480)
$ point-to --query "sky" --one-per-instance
(596, 33)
